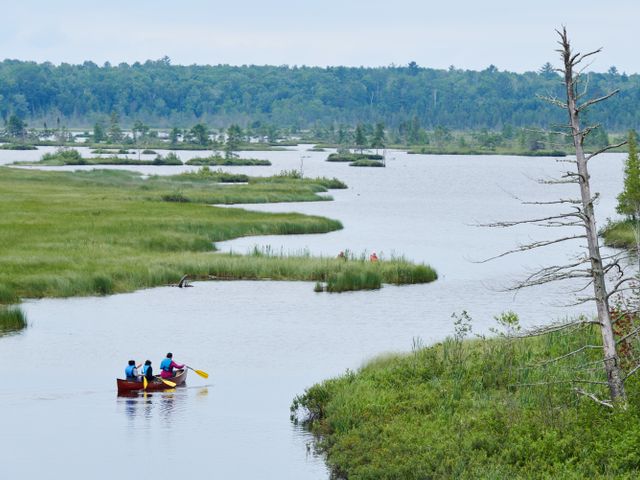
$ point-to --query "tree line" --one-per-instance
(407, 97)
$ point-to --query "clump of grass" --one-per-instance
(205, 173)
(233, 161)
(366, 163)
(352, 279)
(352, 157)
(471, 409)
(64, 156)
(170, 158)
(12, 319)
(17, 146)
(146, 151)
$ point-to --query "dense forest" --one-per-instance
(165, 95)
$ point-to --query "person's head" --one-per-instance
(147, 362)
(169, 355)
(132, 362)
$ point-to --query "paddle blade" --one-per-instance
(145, 383)
(202, 374)
(168, 382)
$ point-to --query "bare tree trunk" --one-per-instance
(611, 359)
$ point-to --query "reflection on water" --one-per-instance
(161, 404)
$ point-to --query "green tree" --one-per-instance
(377, 141)
(16, 128)
(629, 198)
(99, 133)
(173, 135)
(140, 130)
(360, 138)
(115, 132)
(200, 133)
(234, 138)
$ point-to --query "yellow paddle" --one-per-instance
(145, 382)
(199, 372)
(167, 382)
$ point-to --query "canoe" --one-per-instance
(154, 385)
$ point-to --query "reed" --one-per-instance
(12, 319)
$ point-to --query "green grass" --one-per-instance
(17, 146)
(12, 319)
(466, 409)
(352, 157)
(217, 160)
(109, 231)
(366, 163)
(620, 234)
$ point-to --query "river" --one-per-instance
(265, 342)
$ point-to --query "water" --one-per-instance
(265, 342)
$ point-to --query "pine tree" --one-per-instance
(629, 199)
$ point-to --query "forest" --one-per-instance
(298, 97)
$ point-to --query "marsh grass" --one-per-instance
(12, 319)
(108, 231)
(367, 163)
(481, 408)
(620, 234)
(217, 160)
(353, 157)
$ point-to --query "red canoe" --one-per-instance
(156, 384)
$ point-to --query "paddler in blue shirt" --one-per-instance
(131, 372)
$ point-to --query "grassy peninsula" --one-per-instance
(620, 234)
(108, 231)
(476, 409)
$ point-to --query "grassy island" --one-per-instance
(367, 163)
(352, 157)
(17, 146)
(109, 231)
(475, 409)
(216, 160)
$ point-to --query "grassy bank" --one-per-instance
(12, 319)
(453, 150)
(100, 232)
(620, 234)
(468, 410)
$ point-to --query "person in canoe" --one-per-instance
(147, 370)
(167, 365)
(131, 372)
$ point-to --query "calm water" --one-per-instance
(264, 342)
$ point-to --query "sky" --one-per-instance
(512, 35)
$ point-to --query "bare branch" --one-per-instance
(592, 397)
(531, 246)
(605, 149)
(567, 355)
(553, 101)
(597, 100)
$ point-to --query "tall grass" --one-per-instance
(102, 232)
(620, 234)
(483, 408)
(12, 319)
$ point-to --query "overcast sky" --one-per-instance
(513, 35)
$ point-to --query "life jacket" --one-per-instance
(129, 371)
(144, 369)
(166, 365)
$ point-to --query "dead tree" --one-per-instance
(591, 266)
